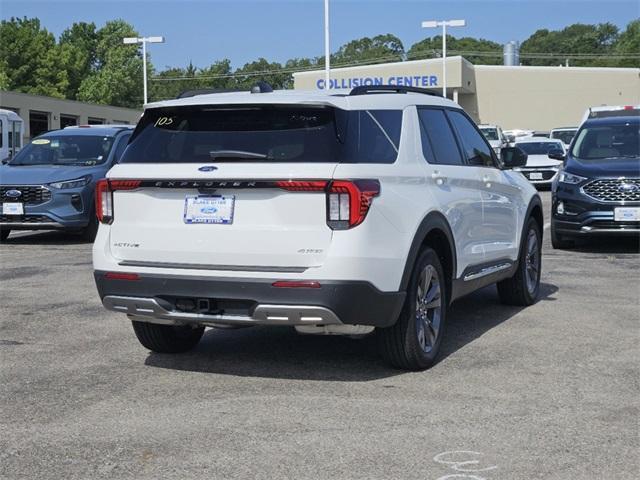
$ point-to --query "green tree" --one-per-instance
(29, 58)
(547, 47)
(477, 51)
(78, 54)
(629, 44)
(260, 70)
(379, 49)
(117, 76)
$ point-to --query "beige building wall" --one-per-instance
(23, 104)
(541, 98)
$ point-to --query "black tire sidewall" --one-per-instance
(412, 345)
(522, 270)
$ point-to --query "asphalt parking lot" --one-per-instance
(550, 392)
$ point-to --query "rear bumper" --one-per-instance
(235, 301)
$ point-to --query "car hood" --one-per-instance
(541, 161)
(43, 174)
(607, 167)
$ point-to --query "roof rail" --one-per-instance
(367, 89)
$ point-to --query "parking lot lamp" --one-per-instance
(143, 41)
(327, 55)
(444, 24)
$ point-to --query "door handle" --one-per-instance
(438, 178)
(487, 181)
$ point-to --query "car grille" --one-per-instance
(547, 174)
(614, 190)
(24, 219)
(31, 194)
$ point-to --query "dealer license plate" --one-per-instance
(12, 209)
(209, 209)
(626, 214)
(535, 176)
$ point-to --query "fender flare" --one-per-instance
(535, 201)
(432, 221)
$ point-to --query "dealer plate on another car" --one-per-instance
(535, 176)
(12, 209)
(209, 209)
(626, 214)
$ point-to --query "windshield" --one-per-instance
(540, 148)
(490, 133)
(65, 150)
(565, 136)
(608, 141)
(265, 133)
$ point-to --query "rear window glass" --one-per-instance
(265, 134)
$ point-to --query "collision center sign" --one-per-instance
(407, 81)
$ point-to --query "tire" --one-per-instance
(558, 241)
(413, 343)
(89, 232)
(522, 289)
(167, 338)
(4, 234)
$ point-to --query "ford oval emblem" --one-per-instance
(208, 210)
(13, 193)
(623, 187)
(208, 168)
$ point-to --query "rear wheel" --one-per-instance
(522, 289)
(4, 233)
(414, 341)
(167, 338)
(558, 241)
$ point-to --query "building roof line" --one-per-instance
(31, 95)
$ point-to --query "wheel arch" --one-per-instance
(434, 231)
(534, 210)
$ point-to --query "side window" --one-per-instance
(374, 135)
(122, 144)
(438, 143)
(476, 149)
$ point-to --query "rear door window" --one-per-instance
(265, 133)
(438, 142)
(476, 149)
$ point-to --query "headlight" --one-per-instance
(76, 183)
(570, 178)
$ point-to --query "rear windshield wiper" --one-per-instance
(241, 154)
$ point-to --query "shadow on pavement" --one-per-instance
(279, 352)
(45, 237)
(607, 245)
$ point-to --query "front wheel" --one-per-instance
(167, 338)
(413, 343)
(522, 289)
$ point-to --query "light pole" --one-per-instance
(444, 24)
(327, 55)
(143, 41)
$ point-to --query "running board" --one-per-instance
(487, 271)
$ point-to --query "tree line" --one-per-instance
(92, 64)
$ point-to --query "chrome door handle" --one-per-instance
(438, 178)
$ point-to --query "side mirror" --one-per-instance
(556, 155)
(512, 157)
(5, 160)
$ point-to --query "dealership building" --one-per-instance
(41, 114)
(531, 98)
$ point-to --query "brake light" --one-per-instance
(348, 202)
(104, 196)
(302, 185)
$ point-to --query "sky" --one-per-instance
(203, 31)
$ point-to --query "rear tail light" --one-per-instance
(348, 202)
(104, 196)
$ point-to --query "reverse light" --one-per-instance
(104, 196)
(570, 178)
(348, 202)
(75, 183)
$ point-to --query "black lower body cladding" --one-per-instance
(353, 302)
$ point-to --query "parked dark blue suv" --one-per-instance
(597, 191)
(50, 183)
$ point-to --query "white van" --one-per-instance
(11, 128)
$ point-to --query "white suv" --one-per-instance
(334, 213)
